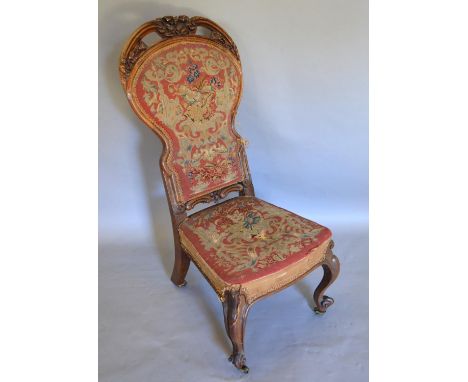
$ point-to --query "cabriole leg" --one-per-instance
(235, 308)
(331, 269)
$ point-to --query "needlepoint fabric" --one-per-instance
(188, 91)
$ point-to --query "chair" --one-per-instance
(186, 88)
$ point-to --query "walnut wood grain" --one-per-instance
(331, 270)
(235, 310)
(172, 26)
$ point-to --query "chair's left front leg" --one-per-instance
(331, 269)
(235, 308)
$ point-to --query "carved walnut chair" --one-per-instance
(186, 88)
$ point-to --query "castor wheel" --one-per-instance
(318, 311)
(238, 359)
(324, 305)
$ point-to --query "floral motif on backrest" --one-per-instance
(188, 91)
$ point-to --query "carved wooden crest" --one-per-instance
(128, 63)
(169, 27)
(172, 26)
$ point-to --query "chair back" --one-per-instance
(187, 88)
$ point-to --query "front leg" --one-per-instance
(331, 269)
(235, 308)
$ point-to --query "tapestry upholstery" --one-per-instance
(245, 239)
(188, 91)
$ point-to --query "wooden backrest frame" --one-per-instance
(135, 51)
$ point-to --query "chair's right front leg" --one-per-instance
(235, 308)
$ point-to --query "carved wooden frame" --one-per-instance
(235, 303)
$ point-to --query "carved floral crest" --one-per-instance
(174, 26)
(171, 26)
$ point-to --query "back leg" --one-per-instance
(181, 265)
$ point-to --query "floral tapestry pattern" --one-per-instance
(190, 89)
(246, 238)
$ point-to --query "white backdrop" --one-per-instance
(304, 112)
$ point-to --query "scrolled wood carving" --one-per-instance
(172, 26)
(213, 196)
(169, 27)
(127, 63)
(219, 38)
(236, 308)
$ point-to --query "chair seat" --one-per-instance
(245, 239)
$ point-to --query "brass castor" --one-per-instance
(239, 362)
(324, 305)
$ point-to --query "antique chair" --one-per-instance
(186, 88)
